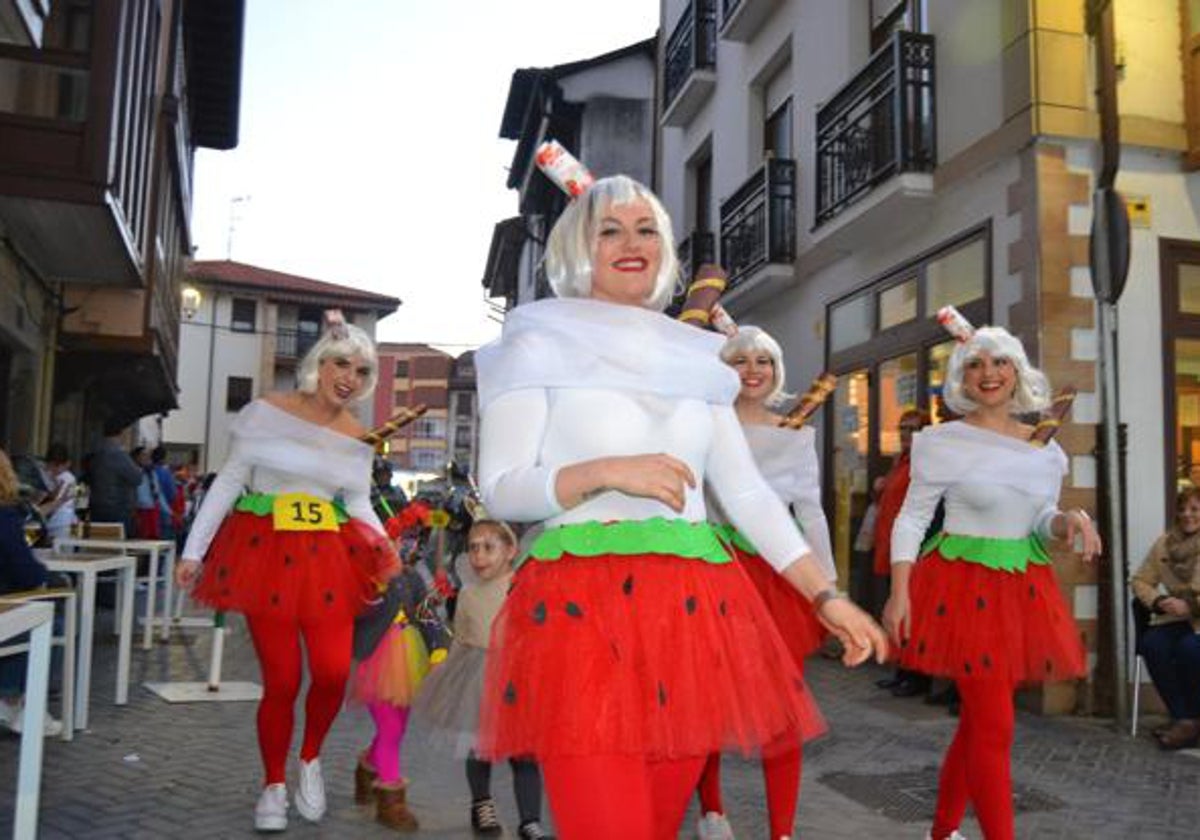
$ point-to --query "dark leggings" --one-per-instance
(527, 785)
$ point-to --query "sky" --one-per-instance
(369, 152)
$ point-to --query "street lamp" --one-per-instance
(189, 302)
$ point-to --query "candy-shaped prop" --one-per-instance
(1052, 417)
(722, 321)
(703, 295)
(381, 433)
(810, 401)
(335, 324)
(955, 324)
(563, 168)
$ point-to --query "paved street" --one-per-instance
(153, 769)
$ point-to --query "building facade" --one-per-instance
(245, 330)
(463, 425)
(856, 165)
(102, 105)
(602, 110)
(411, 375)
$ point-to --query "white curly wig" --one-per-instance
(353, 342)
(572, 242)
(749, 339)
(1033, 389)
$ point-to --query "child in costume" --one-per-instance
(386, 682)
(450, 698)
(982, 607)
(787, 459)
(289, 538)
(603, 418)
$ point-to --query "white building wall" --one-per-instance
(1174, 199)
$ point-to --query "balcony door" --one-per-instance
(891, 16)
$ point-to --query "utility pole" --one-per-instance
(1109, 253)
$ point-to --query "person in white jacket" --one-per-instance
(631, 645)
(787, 459)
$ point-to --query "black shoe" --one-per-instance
(533, 830)
(942, 698)
(911, 687)
(889, 682)
(484, 819)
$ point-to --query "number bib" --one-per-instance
(302, 512)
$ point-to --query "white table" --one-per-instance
(88, 567)
(152, 549)
(36, 619)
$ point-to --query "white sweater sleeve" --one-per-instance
(513, 482)
(749, 502)
(358, 506)
(232, 478)
(908, 531)
(806, 502)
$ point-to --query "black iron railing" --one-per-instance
(728, 7)
(694, 251)
(691, 47)
(881, 123)
(293, 344)
(758, 222)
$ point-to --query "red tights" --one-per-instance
(277, 643)
(978, 765)
(781, 773)
(606, 796)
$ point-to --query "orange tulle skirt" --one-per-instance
(798, 624)
(644, 654)
(971, 621)
(253, 569)
(395, 670)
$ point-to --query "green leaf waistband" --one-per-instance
(262, 504)
(676, 537)
(1003, 555)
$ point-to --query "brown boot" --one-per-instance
(1182, 735)
(391, 808)
(364, 783)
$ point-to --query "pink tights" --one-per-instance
(384, 752)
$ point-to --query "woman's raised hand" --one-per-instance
(186, 572)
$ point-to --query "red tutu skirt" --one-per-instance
(971, 621)
(251, 568)
(644, 654)
(798, 624)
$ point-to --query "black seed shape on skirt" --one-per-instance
(662, 694)
(354, 549)
(721, 608)
(921, 647)
(574, 610)
(539, 613)
(222, 573)
(967, 667)
(690, 604)
(1032, 591)
(1049, 666)
(941, 609)
(328, 596)
(287, 560)
(980, 603)
(510, 693)
(254, 541)
(274, 599)
(627, 586)
(987, 661)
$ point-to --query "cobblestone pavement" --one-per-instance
(153, 769)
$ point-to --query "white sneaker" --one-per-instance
(12, 711)
(954, 836)
(270, 814)
(713, 826)
(310, 793)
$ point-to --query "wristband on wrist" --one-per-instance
(824, 596)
